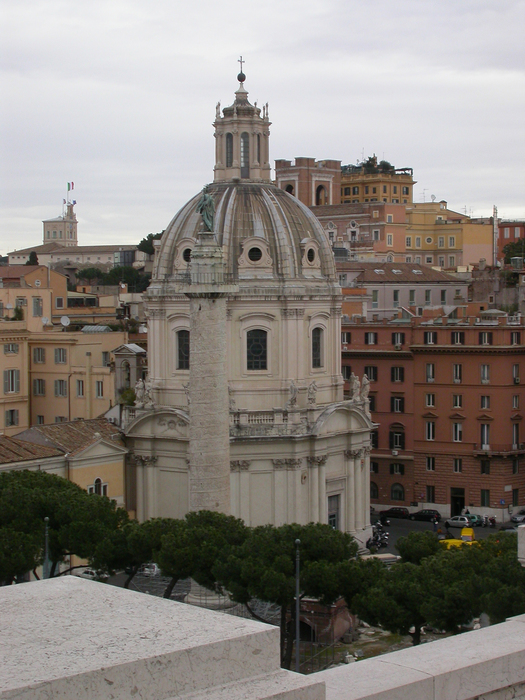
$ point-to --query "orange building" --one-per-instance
(447, 395)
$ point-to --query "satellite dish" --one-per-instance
(433, 197)
(45, 320)
(9, 306)
(65, 321)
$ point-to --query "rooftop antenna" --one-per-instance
(433, 197)
(424, 195)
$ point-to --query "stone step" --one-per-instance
(281, 685)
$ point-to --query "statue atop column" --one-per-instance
(206, 208)
(139, 394)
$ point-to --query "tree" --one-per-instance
(77, 521)
(146, 244)
(33, 258)
(195, 546)
(514, 250)
(90, 273)
(263, 567)
(395, 602)
(417, 546)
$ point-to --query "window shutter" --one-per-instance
(366, 338)
(391, 439)
(402, 406)
(401, 374)
(17, 381)
(489, 337)
(402, 466)
(392, 374)
(6, 381)
(480, 338)
(392, 403)
(392, 469)
(402, 441)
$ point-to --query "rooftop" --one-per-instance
(15, 450)
(379, 272)
(71, 437)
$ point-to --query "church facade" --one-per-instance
(244, 320)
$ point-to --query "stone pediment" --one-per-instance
(169, 423)
(342, 417)
(100, 449)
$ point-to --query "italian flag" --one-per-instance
(70, 186)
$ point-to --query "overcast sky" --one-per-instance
(119, 96)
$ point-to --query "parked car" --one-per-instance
(395, 512)
(458, 521)
(150, 569)
(476, 520)
(518, 517)
(91, 574)
(426, 514)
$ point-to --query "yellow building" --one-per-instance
(52, 376)
(438, 236)
(371, 181)
(14, 361)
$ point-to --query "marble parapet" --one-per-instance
(486, 664)
(71, 638)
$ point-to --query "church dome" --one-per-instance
(263, 230)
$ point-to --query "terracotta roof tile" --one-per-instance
(15, 450)
(74, 436)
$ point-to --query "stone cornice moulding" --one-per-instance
(287, 463)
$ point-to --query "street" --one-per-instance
(400, 527)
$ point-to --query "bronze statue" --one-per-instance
(206, 208)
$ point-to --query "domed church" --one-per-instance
(243, 408)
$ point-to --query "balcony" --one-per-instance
(495, 449)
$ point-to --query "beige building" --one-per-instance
(62, 229)
(40, 294)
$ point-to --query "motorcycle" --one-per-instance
(492, 521)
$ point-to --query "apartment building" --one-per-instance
(510, 231)
(54, 376)
(447, 394)
(389, 287)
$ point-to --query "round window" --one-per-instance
(428, 240)
(255, 254)
(186, 255)
(310, 255)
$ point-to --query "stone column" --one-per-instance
(314, 489)
(350, 491)
(359, 495)
(323, 503)
(150, 486)
(140, 489)
(366, 485)
(209, 430)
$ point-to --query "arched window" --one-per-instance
(374, 491)
(183, 349)
(229, 150)
(317, 348)
(245, 154)
(320, 195)
(397, 492)
(289, 189)
(126, 375)
(259, 148)
(256, 349)
(98, 486)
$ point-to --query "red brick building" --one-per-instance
(448, 398)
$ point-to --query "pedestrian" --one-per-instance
(435, 524)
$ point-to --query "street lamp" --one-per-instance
(297, 625)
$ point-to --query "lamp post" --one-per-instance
(47, 564)
(297, 625)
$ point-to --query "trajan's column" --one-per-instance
(209, 443)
